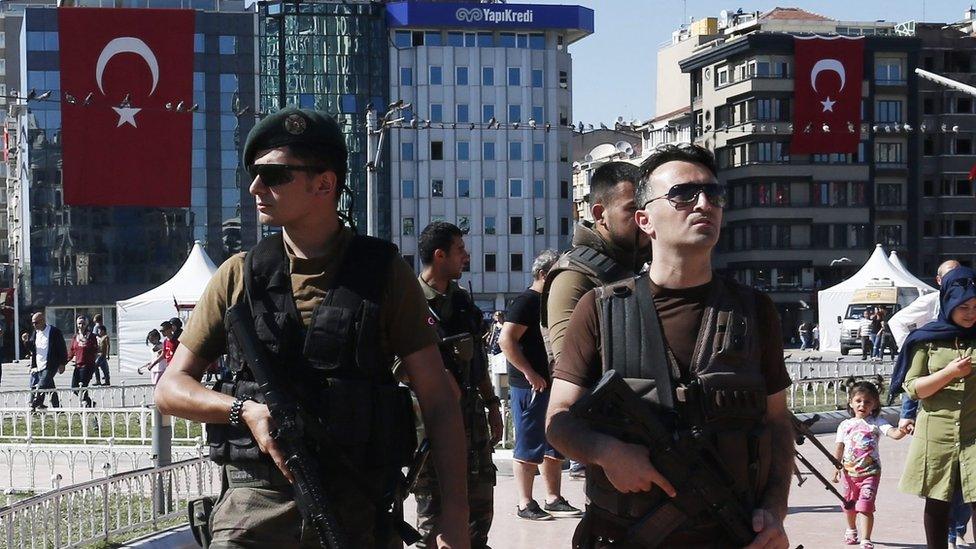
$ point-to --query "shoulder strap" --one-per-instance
(602, 265)
(632, 338)
(366, 267)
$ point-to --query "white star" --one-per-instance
(127, 115)
(828, 105)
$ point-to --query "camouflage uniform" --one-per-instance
(470, 364)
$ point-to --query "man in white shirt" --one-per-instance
(920, 312)
(49, 354)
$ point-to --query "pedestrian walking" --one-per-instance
(104, 349)
(83, 351)
(49, 354)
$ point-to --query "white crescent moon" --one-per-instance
(828, 65)
(128, 44)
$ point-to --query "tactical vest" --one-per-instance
(724, 394)
(334, 364)
(599, 267)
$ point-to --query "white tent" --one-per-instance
(833, 301)
(139, 314)
(897, 264)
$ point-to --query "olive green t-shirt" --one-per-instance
(404, 318)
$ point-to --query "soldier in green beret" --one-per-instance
(331, 309)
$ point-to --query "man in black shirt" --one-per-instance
(529, 379)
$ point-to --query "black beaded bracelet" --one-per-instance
(235, 411)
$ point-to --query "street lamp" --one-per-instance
(375, 131)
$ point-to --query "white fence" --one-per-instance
(91, 426)
(111, 396)
(145, 499)
(818, 384)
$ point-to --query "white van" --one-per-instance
(879, 293)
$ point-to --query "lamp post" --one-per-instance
(375, 132)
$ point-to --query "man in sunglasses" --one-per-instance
(331, 310)
(710, 351)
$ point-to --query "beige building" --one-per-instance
(792, 218)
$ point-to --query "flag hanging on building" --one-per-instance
(121, 144)
(827, 94)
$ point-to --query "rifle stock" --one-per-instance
(803, 433)
(309, 485)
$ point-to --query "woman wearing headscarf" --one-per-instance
(935, 367)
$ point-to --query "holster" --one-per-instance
(199, 511)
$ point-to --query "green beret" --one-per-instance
(294, 126)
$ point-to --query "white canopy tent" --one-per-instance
(896, 263)
(832, 302)
(140, 314)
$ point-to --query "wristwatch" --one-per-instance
(235, 411)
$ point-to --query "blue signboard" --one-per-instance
(488, 16)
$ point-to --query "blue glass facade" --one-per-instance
(98, 255)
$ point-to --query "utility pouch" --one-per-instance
(199, 511)
(229, 443)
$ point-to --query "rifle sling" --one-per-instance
(651, 529)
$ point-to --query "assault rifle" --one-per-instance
(309, 486)
(801, 430)
(681, 455)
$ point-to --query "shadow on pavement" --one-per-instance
(813, 509)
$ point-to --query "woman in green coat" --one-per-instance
(943, 452)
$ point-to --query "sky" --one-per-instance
(614, 68)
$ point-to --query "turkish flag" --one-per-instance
(121, 146)
(827, 94)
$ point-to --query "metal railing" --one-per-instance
(147, 499)
(111, 396)
(818, 384)
(90, 426)
(38, 467)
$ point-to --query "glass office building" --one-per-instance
(334, 55)
(85, 259)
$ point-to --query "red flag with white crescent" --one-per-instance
(827, 94)
(121, 145)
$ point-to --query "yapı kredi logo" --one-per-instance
(474, 15)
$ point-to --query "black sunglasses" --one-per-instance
(273, 175)
(685, 194)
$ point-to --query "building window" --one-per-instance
(515, 188)
(406, 76)
(564, 189)
(463, 188)
(515, 150)
(764, 152)
(962, 145)
(227, 45)
(406, 188)
(564, 80)
(928, 105)
(488, 188)
(487, 113)
(515, 224)
(437, 187)
(888, 71)
(964, 105)
(889, 235)
(489, 224)
(433, 38)
(859, 235)
(437, 150)
(487, 76)
(928, 188)
(455, 39)
(538, 152)
(537, 78)
(538, 114)
(490, 265)
(488, 150)
(410, 261)
(889, 194)
(564, 226)
(486, 40)
(515, 263)
(463, 150)
(887, 153)
(514, 76)
(462, 114)
(407, 226)
(540, 225)
(401, 39)
(461, 76)
(819, 235)
(964, 187)
(514, 113)
(888, 111)
(436, 75)
(506, 40)
(436, 112)
(464, 223)
(406, 151)
(538, 188)
(764, 109)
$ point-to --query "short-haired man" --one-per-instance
(48, 354)
(721, 343)
(458, 322)
(331, 310)
(607, 250)
(529, 386)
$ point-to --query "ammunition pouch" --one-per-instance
(229, 443)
